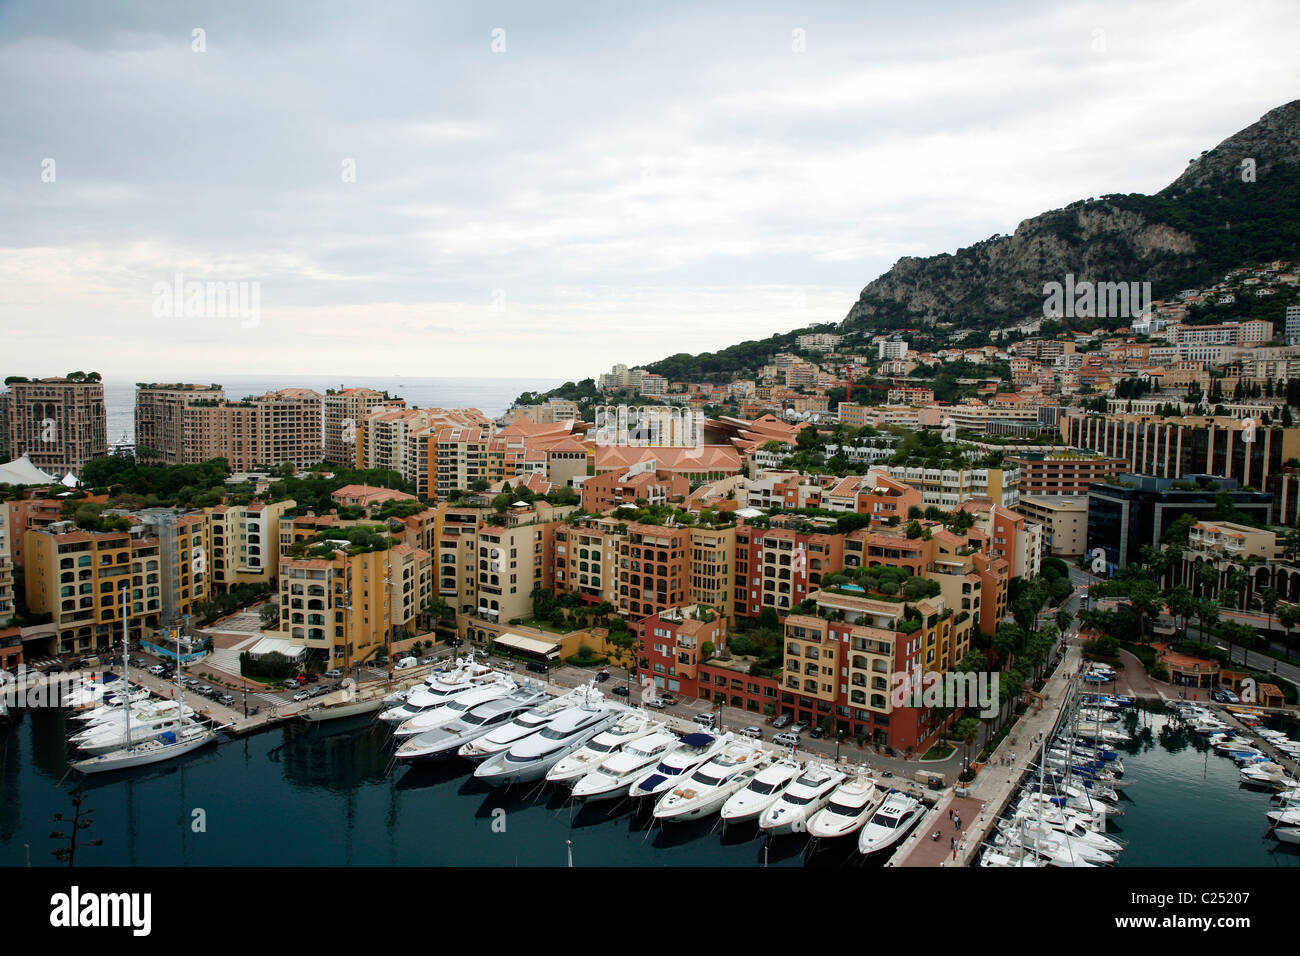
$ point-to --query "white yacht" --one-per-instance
(1287, 834)
(711, 784)
(428, 697)
(809, 792)
(465, 670)
(1056, 844)
(482, 720)
(531, 757)
(693, 750)
(632, 726)
(525, 725)
(617, 772)
(762, 791)
(1267, 776)
(104, 716)
(454, 709)
(890, 823)
(850, 806)
(165, 747)
(103, 739)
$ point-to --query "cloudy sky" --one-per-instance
(524, 189)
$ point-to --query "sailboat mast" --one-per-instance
(126, 658)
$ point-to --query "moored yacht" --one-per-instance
(807, 794)
(617, 772)
(762, 791)
(429, 697)
(632, 726)
(435, 717)
(691, 751)
(890, 823)
(525, 725)
(482, 720)
(850, 806)
(711, 784)
(530, 758)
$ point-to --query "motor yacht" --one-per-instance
(435, 717)
(617, 772)
(530, 758)
(890, 823)
(443, 742)
(849, 808)
(427, 697)
(525, 725)
(763, 790)
(807, 794)
(693, 750)
(710, 785)
(632, 726)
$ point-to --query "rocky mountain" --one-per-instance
(1235, 204)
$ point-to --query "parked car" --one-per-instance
(428, 660)
(205, 689)
(291, 684)
(706, 720)
(538, 668)
(753, 732)
(405, 662)
(602, 677)
(657, 703)
(313, 678)
(783, 720)
(301, 695)
(1229, 696)
(817, 733)
(316, 692)
(799, 728)
(507, 666)
(157, 669)
(226, 699)
(334, 673)
(668, 700)
(786, 739)
(621, 690)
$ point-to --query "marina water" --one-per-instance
(325, 794)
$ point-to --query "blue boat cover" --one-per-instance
(697, 740)
(653, 782)
(168, 737)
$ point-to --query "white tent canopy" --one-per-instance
(276, 645)
(529, 645)
(21, 471)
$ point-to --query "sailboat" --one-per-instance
(168, 745)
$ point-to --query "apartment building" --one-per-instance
(347, 603)
(78, 576)
(514, 561)
(165, 431)
(246, 543)
(6, 569)
(407, 441)
(653, 565)
(587, 560)
(1062, 473)
(845, 659)
(949, 487)
(676, 641)
(1191, 445)
(345, 410)
(643, 483)
(190, 423)
(58, 423)
(1064, 520)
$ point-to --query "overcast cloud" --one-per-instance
(614, 186)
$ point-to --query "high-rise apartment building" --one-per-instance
(59, 423)
(345, 412)
(165, 429)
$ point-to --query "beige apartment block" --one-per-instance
(346, 411)
(59, 423)
(165, 431)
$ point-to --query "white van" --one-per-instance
(406, 662)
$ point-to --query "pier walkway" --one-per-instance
(990, 791)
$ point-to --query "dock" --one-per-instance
(989, 794)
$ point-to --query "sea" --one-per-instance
(329, 795)
(492, 396)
